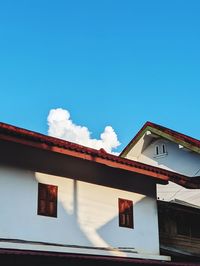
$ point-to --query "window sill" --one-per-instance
(160, 155)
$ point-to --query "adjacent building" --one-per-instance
(179, 230)
(179, 209)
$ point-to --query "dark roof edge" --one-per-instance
(27, 137)
(85, 257)
(187, 141)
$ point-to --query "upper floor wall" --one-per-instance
(168, 155)
(87, 216)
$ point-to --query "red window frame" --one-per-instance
(47, 200)
(125, 213)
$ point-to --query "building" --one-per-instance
(178, 211)
(63, 203)
(64, 199)
(179, 230)
(165, 148)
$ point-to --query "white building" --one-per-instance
(167, 149)
(60, 199)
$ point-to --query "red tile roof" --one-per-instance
(186, 141)
(177, 135)
(30, 138)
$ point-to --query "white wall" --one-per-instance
(87, 213)
(177, 159)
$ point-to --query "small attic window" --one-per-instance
(160, 150)
(157, 150)
(163, 148)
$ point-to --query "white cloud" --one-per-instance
(61, 126)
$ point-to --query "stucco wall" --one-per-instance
(87, 213)
(177, 159)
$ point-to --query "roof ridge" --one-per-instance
(171, 130)
(190, 141)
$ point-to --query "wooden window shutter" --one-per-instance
(47, 200)
(125, 213)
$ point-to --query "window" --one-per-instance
(163, 148)
(183, 224)
(125, 213)
(156, 150)
(47, 200)
(188, 224)
(160, 150)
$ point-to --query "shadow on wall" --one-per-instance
(176, 159)
(19, 218)
(65, 229)
(140, 235)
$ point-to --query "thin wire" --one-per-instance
(196, 172)
(175, 193)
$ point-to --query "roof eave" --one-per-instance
(39, 141)
(165, 133)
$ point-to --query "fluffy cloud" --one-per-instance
(61, 126)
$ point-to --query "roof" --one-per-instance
(25, 256)
(29, 138)
(179, 203)
(184, 203)
(179, 138)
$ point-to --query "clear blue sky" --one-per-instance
(111, 62)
